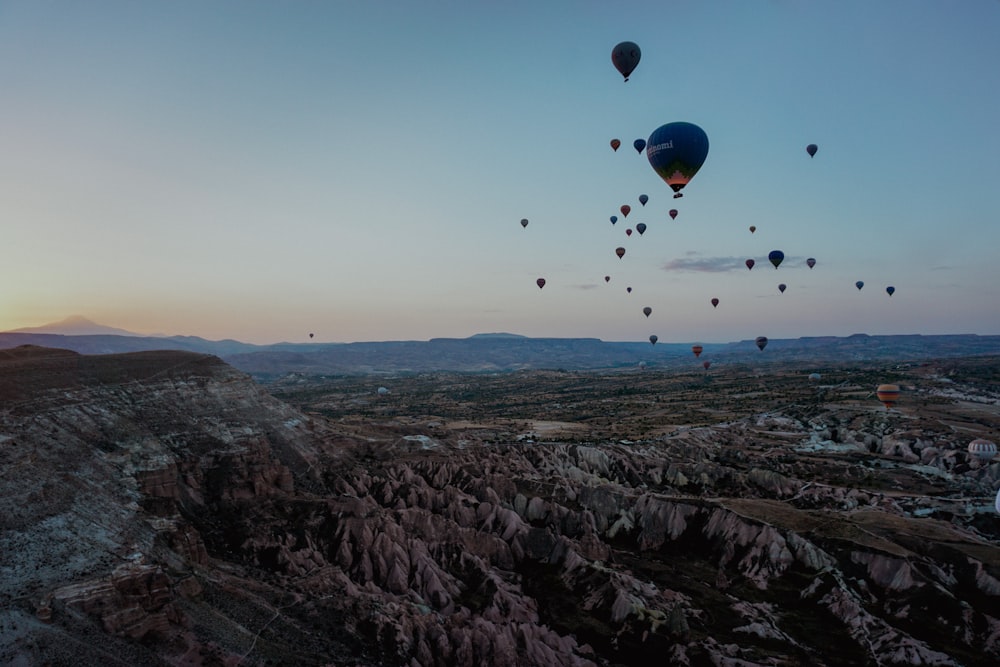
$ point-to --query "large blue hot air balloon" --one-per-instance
(625, 57)
(676, 152)
(776, 257)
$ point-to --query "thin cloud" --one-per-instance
(705, 264)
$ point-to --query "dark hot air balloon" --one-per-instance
(540, 282)
(811, 262)
(643, 199)
(653, 339)
(761, 342)
(673, 213)
(859, 284)
(628, 232)
(811, 149)
(615, 143)
(888, 394)
(311, 335)
(776, 257)
(614, 219)
(641, 228)
(889, 290)
(625, 209)
(706, 364)
(639, 145)
(625, 57)
(524, 222)
(781, 288)
(676, 151)
(715, 303)
(607, 279)
(620, 252)
(628, 289)
(753, 228)
(647, 311)
(750, 264)
(697, 349)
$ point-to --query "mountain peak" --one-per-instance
(75, 325)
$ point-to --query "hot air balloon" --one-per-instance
(676, 152)
(641, 228)
(540, 282)
(984, 450)
(614, 219)
(753, 228)
(653, 339)
(761, 342)
(859, 284)
(620, 252)
(811, 149)
(643, 199)
(625, 209)
(781, 287)
(673, 213)
(811, 262)
(642, 364)
(715, 303)
(889, 290)
(628, 232)
(524, 222)
(628, 289)
(647, 311)
(706, 364)
(697, 349)
(814, 377)
(607, 279)
(311, 335)
(639, 145)
(749, 264)
(776, 257)
(615, 143)
(888, 394)
(625, 57)
(382, 391)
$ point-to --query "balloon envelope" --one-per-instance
(628, 289)
(625, 209)
(641, 228)
(859, 284)
(715, 303)
(643, 199)
(647, 311)
(889, 290)
(524, 222)
(781, 288)
(311, 335)
(888, 394)
(540, 282)
(620, 252)
(753, 228)
(811, 262)
(706, 364)
(814, 376)
(811, 149)
(750, 264)
(673, 213)
(625, 57)
(697, 349)
(653, 339)
(984, 450)
(761, 342)
(639, 145)
(776, 257)
(628, 232)
(607, 279)
(615, 143)
(676, 151)
(614, 219)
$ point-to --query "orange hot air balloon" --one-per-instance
(715, 303)
(647, 311)
(888, 394)
(615, 143)
(625, 209)
(620, 252)
(540, 282)
(673, 214)
(753, 228)
(697, 350)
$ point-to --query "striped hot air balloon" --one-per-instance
(888, 394)
(984, 450)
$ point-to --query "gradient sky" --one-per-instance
(262, 170)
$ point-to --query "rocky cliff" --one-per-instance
(162, 508)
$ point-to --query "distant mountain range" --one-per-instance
(495, 352)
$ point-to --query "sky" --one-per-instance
(359, 169)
